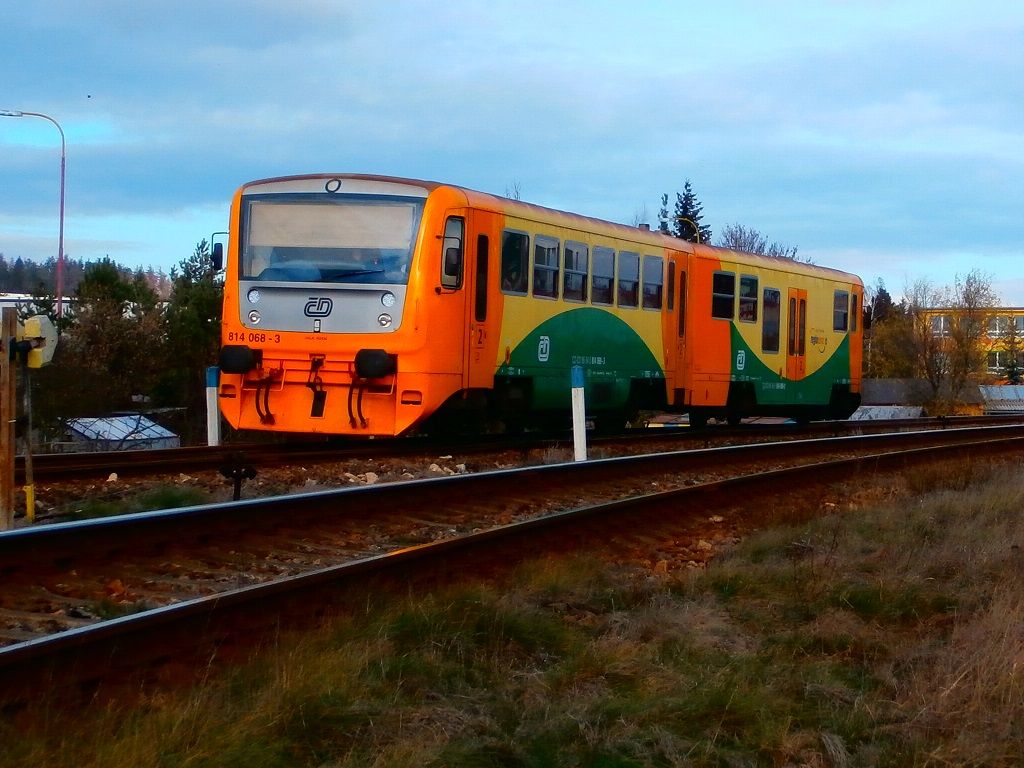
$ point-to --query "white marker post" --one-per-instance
(579, 409)
(212, 412)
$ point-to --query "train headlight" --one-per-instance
(253, 295)
(255, 317)
(388, 299)
(384, 320)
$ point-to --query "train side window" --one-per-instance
(545, 266)
(654, 282)
(670, 302)
(629, 278)
(602, 287)
(451, 267)
(792, 327)
(801, 341)
(854, 311)
(840, 311)
(576, 263)
(480, 309)
(723, 295)
(748, 299)
(515, 260)
(772, 320)
(682, 304)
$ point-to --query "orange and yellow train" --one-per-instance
(368, 305)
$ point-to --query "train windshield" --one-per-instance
(328, 238)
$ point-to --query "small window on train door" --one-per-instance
(545, 266)
(854, 311)
(654, 282)
(682, 304)
(451, 254)
(480, 304)
(515, 262)
(723, 295)
(840, 311)
(670, 300)
(629, 279)
(772, 320)
(603, 280)
(576, 263)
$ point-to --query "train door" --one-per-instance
(675, 328)
(796, 344)
(480, 310)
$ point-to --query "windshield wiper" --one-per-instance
(351, 273)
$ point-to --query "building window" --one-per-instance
(723, 295)
(629, 278)
(748, 299)
(998, 326)
(841, 311)
(575, 287)
(772, 320)
(545, 266)
(940, 325)
(604, 276)
(654, 281)
(515, 258)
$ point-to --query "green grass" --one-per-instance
(888, 636)
(163, 497)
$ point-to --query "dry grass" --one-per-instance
(887, 636)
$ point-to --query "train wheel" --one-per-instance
(698, 420)
(734, 419)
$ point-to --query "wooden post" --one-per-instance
(8, 415)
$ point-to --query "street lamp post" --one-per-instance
(60, 242)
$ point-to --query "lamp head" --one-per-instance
(11, 113)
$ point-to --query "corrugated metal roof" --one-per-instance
(121, 428)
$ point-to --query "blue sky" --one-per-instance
(878, 137)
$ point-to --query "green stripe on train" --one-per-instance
(610, 352)
(772, 389)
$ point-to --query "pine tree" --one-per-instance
(687, 224)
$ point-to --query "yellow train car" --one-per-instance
(367, 305)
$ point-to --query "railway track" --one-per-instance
(87, 600)
(71, 466)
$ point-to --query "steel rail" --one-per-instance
(98, 537)
(79, 653)
(54, 466)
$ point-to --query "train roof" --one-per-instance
(569, 220)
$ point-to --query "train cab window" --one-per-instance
(451, 262)
(576, 263)
(723, 295)
(654, 282)
(748, 299)
(515, 260)
(629, 278)
(545, 266)
(854, 311)
(772, 320)
(840, 311)
(602, 287)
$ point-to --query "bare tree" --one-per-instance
(927, 332)
(513, 191)
(741, 238)
(973, 302)
(640, 215)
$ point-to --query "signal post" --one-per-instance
(8, 415)
(31, 345)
